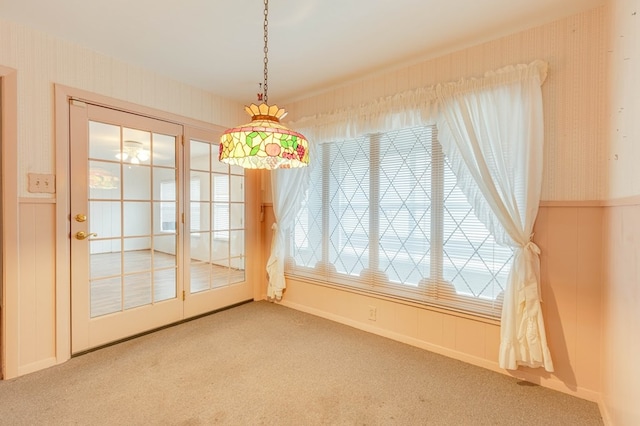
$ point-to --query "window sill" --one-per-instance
(397, 299)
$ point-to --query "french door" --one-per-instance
(157, 225)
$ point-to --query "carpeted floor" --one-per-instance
(265, 364)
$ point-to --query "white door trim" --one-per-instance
(9, 288)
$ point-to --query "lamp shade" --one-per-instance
(264, 143)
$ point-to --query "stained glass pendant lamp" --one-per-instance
(264, 143)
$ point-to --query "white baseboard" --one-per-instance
(38, 365)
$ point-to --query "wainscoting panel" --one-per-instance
(37, 346)
(571, 280)
(621, 314)
(570, 237)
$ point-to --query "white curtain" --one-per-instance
(492, 132)
(491, 129)
(288, 188)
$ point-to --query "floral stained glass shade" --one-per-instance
(264, 143)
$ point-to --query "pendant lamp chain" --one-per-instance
(264, 143)
(266, 49)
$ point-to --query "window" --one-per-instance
(384, 214)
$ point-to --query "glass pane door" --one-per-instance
(158, 226)
(125, 227)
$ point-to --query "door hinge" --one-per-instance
(182, 217)
(184, 295)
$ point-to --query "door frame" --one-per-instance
(9, 321)
(63, 96)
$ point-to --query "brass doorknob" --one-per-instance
(80, 217)
(81, 235)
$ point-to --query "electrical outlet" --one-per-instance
(42, 183)
(373, 312)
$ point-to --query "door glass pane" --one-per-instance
(164, 184)
(220, 245)
(163, 284)
(164, 150)
(200, 219)
(236, 216)
(104, 141)
(236, 271)
(221, 188)
(220, 273)
(104, 218)
(164, 251)
(200, 247)
(137, 290)
(237, 243)
(136, 182)
(137, 218)
(236, 170)
(236, 189)
(200, 156)
(220, 217)
(166, 218)
(137, 255)
(104, 180)
(136, 146)
(105, 258)
(199, 186)
(219, 166)
(199, 276)
(106, 296)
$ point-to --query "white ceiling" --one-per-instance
(217, 45)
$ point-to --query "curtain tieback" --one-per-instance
(532, 246)
(274, 239)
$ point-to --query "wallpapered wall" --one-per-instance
(42, 60)
(574, 95)
(624, 60)
(621, 287)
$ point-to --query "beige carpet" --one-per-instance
(265, 364)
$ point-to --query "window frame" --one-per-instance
(433, 290)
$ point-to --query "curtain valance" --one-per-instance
(406, 109)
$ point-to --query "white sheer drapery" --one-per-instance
(491, 128)
(493, 135)
(288, 188)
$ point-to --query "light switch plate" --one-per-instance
(42, 183)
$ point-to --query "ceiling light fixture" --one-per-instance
(133, 152)
(264, 143)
